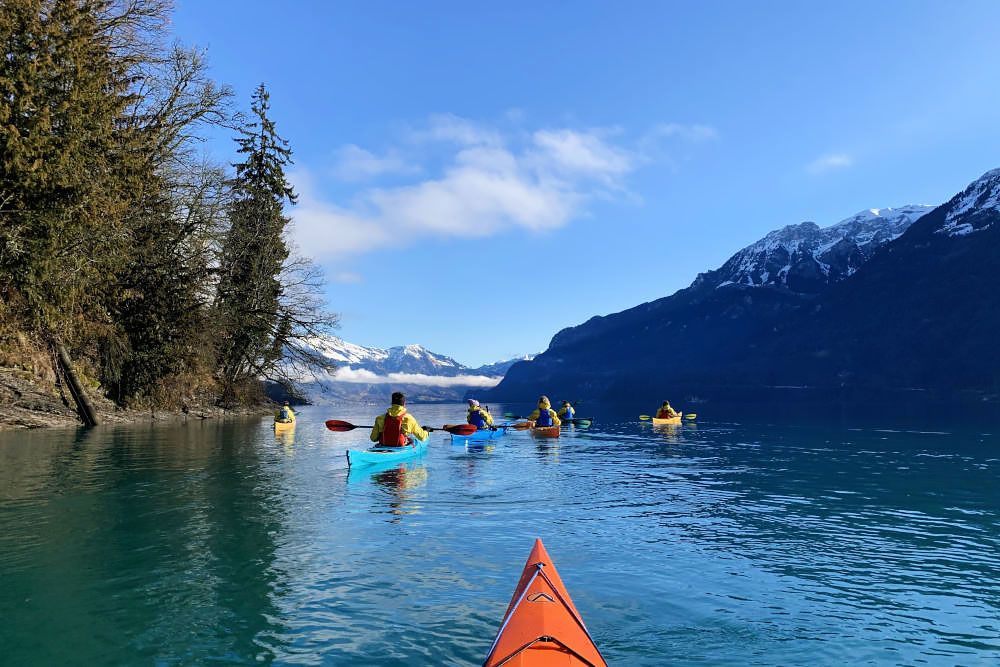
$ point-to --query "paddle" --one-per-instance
(338, 426)
(687, 415)
(574, 420)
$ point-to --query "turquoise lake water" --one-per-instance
(731, 542)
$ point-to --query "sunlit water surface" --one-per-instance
(723, 543)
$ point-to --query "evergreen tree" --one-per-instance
(62, 93)
(254, 252)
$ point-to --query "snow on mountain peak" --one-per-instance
(975, 208)
(804, 257)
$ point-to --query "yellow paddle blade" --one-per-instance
(645, 418)
(690, 415)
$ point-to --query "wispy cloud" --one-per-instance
(484, 181)
(364, 376)
(829, 162)
(357, 164)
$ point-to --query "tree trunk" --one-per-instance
(83, 404)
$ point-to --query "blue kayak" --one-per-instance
(480, 435)
(376, 455)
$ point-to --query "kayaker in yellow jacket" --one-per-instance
(285, 415)
(567, 411)
(544, 415)
(396, 426)
(478, 416)
(666, 411)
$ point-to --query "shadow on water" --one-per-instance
(140, 543)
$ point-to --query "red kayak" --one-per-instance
(542, 628)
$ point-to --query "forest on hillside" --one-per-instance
(164, 275)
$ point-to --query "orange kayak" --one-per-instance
(542, 628)
(546, 431)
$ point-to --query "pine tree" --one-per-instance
(254, 253)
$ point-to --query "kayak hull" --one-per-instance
(480, 435)
(282, 427)
(545, 431)
(380, 455)
(668, 422)
(542, 627)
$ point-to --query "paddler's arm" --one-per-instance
(411, 426)
(377, 429)
(534, 415)
(489, 419)
(555, 418)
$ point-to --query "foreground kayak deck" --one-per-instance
(542, 627)
(545, 431)
(379, 455)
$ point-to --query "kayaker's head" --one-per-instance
(566, 403)
(666, 404)
(543, 402)
(398, 398)
(473, 403)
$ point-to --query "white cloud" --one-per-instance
(363, 376)
(357, 164)
(486, 181)
(455, 129)
(829, 162)
(583, 153)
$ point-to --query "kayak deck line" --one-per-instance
(542, 627)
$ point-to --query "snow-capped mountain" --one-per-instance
(402, 359)
(975, 208)
(805, 258)
(372, 373)
(886, 300)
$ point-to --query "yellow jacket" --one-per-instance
(410, 425)
(666, 413)
(564, 410)
(487, 417)
(545, 405)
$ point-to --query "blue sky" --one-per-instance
(475, 177)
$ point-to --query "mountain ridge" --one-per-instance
(889, 317)
(372, 373)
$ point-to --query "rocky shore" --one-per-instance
(26, 402)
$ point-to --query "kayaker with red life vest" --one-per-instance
(544, 415)
(396, 426)
(479, 416)
(666, 411)
(567, 411)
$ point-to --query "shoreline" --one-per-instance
(26, 404)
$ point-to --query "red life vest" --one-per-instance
(392, 431)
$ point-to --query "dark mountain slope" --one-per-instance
(923, 313)
(707, 325)
(875, 305)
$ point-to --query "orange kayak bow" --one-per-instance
(542, 628)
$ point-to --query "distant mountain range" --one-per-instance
(888, 299)
(371, 374)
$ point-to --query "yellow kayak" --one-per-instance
(669, 421)
(282, 426)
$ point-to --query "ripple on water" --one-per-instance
(723, 544)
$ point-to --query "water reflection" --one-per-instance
(779, 543)
(123, 520)
(397, 481)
